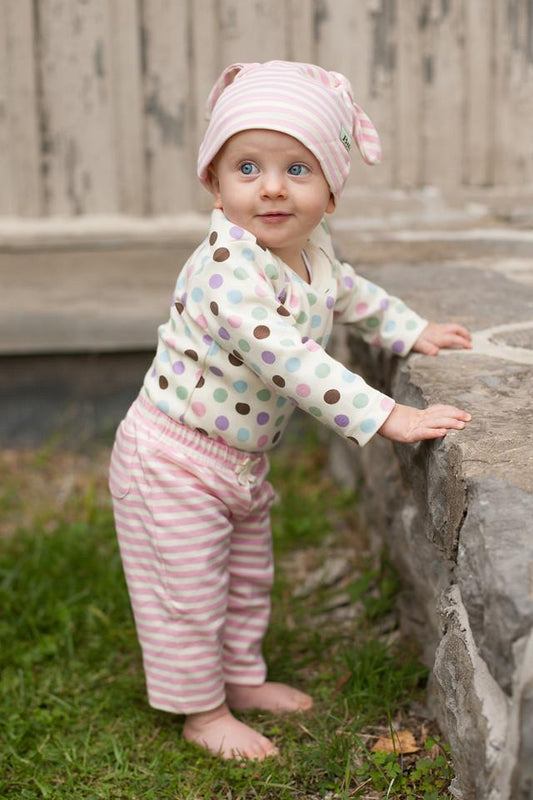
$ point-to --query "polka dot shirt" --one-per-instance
(245, 342)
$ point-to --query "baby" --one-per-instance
(245, 344)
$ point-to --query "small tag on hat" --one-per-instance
(346, 139)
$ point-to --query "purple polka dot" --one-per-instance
(268, 357)
(384, 305)
(222, 332)
(398, 346)
(348, 282)
(236, 233)
(215, 281)
(178, 367)
(263, 418)
(216, 371)
(222, 423)
(342, 420)
(330, 302)
(207, 339)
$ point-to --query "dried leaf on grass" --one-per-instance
(404, 742)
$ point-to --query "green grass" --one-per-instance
(74, 719)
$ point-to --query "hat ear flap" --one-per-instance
(225, 79)
(366, 136)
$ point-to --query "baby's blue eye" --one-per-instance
(248, 168)
(298, 169)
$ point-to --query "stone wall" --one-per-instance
(457, 514)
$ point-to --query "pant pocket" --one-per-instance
(122, 457)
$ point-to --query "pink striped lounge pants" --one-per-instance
(193, 522)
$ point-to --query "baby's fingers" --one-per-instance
(446, 417)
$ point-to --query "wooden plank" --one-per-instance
(77, 113)
(206, 65)
(300, 21)
(479, 108)
(443, 95)
(129, 146)
(252, 30)
(19, 139)
(407, 165)
(357, 39)
(167, 105)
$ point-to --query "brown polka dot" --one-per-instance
(201, 381)
(221, 254)
(242, 408)
(163, 383)
(214, 308)
(179, 307)
(279, 381)
(284, 312)
(213, 237)
(201, 430)
(192, 354)
(352, 439)
(332, 396)
(261, 332)
(236, 360)
(276, 437)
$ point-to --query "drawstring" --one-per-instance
(244, 471)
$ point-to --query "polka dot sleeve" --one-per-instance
(251, 321)
(383, 320)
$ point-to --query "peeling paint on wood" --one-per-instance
(101, 102)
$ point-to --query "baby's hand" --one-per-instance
(436, 335)
(408, 424)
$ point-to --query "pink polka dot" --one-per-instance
(312, 346)
(261, 442)
(260, 291)
(361, 308)
(235, 321)
(293, 302)
(202, 322)
(386, 403)
(199, 409)
(303, 390)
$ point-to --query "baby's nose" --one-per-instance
(273, 184)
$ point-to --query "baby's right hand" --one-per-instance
(408, 424)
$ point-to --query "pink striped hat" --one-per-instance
(302, 100)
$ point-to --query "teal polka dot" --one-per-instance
(271, 271)
(324, 225)
(164, 356)
(400, 308)
(316, 412)
(301, 318)
(347, 376)
(361, 400)
(390, 326)
(240, 386)
(181, 392)
(281, 401)
(213, 349)
(220, 395)
(244, 346)
(372, 322)
(316, 321)
(197, 294)
(368, 425)
(163, 406)
(279, 421)
(287, 342)
(248, 254)
(293, 364)
(243, 434)
(411, 325)
(259, 312)
(322, 371)
(312, 298)
(234, 296)
(264, 394)
(240, 274)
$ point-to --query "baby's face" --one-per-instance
(271, 185)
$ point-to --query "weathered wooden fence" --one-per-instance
(101, 101)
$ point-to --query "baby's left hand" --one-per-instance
(436, 335)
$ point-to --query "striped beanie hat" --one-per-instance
(303, 100)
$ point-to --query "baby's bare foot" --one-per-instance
(219, 732)
(276, 697)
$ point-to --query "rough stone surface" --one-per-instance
(457, 514)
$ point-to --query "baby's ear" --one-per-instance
(214, 186)
(332, 203)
